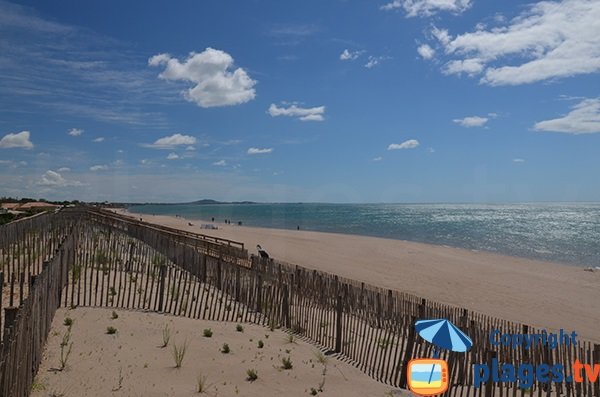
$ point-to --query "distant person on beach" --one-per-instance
(213, 219)
(298, 227)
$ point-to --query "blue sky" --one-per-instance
(325, 101)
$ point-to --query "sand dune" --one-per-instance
(538, 293)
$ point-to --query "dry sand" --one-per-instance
(537, 293)
(132, 363)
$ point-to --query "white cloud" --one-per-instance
(254, 150)
(378, 158)
(348, 55)
(304, 114)
(220, 163)
(584, 118)
(518, 160)
(54, 179)
(410, 144)
(144, 161)
(75, 131)
(415, 8)
(548, 40)
(373, 61)
(99, 168)
(17, 140)
(472, 121)
(216, 83)
(173, 156)
(99, 139)
(190, 148)
(64, 169)
(169, 142)
(426, 51)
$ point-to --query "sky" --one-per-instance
(314, 101)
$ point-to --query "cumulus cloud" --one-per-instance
(378, 158)
(64, 169)
(548, 40)
(221, 163)
(99, 139)
(304, 114)
(254, 150)
(54, 179)
(426, 51)
(172, 141)
(173, 156)
(415, 8)
(348, 55)
(410, 144)
(584, 118)
(99, 168)
(472, 121)
(518, 160)
(215, 81)
(17, 140)
(75, 131)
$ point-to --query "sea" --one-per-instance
(559, 232)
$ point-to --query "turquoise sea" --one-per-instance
(563, 232)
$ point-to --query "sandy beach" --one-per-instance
(541, 294)
(132, 362)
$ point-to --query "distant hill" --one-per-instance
(210, 202)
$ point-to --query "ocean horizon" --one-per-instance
(559, 232)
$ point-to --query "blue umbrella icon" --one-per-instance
(444, 335)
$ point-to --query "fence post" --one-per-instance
(161, 296)
(489, 386)
(410, 342)
(338, 324)
(596, 361)
(259, 292)
(10, 314)
(203, 269)
(286, 306)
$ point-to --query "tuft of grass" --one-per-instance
(65, 350)
(111, 330)
(252, 375)
(239, 328)
(114, 315)
(260, 344)
(68, 321)
(166, 336)
(37, 386)
(225, 349)
(207, 333)
(286, 363)
(202, 384)
(313, 391)
(179, 354)
(290, 338)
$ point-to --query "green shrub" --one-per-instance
(225, 349)
(111, 330)
(260, 344)
(207, 333)
(68, 321)
(252, 375)
(286, 363)
(239, 328)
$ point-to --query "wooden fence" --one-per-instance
(26, 327)
(123, 264)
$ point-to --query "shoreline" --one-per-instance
(534, 292)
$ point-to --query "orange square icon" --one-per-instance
(427, 376)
